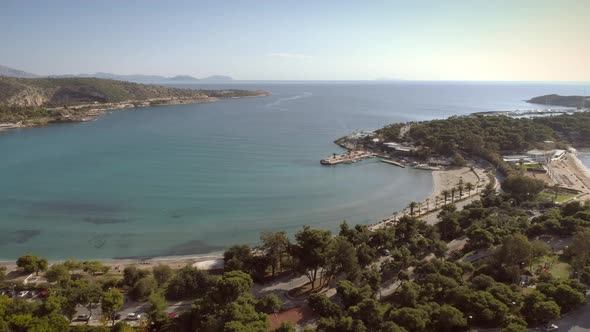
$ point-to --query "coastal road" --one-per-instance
(130, 307)
(280, 288)
(431, 218)
(576, 321)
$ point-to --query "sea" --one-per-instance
(196, 179)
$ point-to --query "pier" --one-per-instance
(387, 161)
(347, 158)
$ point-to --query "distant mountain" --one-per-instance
(216, 78)
(387, 79)
(182, 78)
(11, 72)
(145, 79)
(154, 79)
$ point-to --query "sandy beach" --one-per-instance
(204, 262)
(581, 172)
(569, 172)
(444, 180)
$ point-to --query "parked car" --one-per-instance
(172, 315)
(132, 316)
(22, 294)
(551, 327)
(83, 318)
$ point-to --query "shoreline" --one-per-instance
(91, 112)
(442, 180)
(581, 171)
(115, 263)
(581, 167)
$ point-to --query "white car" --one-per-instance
(133, 316)
(551, 327)
(84, 318)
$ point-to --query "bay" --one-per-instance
(193, 179)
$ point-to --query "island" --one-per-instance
(26, 102)
(565, 101)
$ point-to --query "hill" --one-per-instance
(50, 99)
(136, 78)
(216, 78)
(147, 79)
(557, 100)
(11, 72)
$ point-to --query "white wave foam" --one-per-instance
(278, 102)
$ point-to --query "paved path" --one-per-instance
(576, 321)
(431, 218)
(280, 287)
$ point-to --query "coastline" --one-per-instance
(580, 166)
(443, 180)
(115, 264)
(581, 171)
(90, 112)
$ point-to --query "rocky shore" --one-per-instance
(89, 112)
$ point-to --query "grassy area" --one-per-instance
(528, 166)
(558, 268)
(560, 197)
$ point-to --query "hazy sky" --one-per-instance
(533, 40)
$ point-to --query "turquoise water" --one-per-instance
(191, 179)
(584, 156)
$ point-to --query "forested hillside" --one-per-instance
(23, 99)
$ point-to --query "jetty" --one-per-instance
(387, 161)
(347, 158)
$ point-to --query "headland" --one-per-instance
(29, 102)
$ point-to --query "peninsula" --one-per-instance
(26, 102)
(565, 101)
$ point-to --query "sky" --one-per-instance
(500, 40)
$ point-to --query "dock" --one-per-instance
(387, 161)
(347, 158)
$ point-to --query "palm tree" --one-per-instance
(453, 191)
(469, 186)
(460, 188)
(446, 193)
(412, 206)
(436, 198)
(555, 189)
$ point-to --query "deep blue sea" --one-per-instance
(193, 179)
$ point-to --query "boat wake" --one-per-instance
(276, 104)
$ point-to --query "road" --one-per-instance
(130, 307)
(576, 321)
(280, 288)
